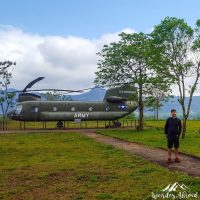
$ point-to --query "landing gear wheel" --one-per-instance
(60, 124)
(116, 124)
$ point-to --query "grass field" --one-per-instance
(71, 166)
(192, 125)
(155, 137)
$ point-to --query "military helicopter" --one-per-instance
(117, 103)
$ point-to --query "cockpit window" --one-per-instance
(18, 109)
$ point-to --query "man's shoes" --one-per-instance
(169, 160)
(177, 160)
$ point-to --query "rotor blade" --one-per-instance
(91, 88)
(54, 90)
(32, 83)
(61, 90)
(38, 90)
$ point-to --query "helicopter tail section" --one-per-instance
(122, 93)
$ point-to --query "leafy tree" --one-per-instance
(56, 96)
(131, 116)
(175, 46)
(125, 61)
(6, 98)
(159, 92)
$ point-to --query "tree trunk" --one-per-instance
(141, 118)
(182, 102)
(3, 123)
(157, 114)
(141, 109)
(184, 126)
(157, 108)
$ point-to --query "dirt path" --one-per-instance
(189, 164)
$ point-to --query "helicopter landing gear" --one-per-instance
(60, 124)
(114, 124)
(117, 124)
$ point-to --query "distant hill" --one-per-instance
(11, 90)
(95, 94)
(165, 110)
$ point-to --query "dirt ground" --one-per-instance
(189, 164)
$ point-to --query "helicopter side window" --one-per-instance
(73, 109)
(107, 109)
(18, 109)
(91, 109)
(34, 109)
(55, 109)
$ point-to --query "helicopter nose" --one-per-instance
(10, 114)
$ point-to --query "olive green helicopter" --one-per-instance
(117, 103)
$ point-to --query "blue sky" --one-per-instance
(92, 18)
(59, 39)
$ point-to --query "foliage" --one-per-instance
(6, 98)
(126, 62)
(56, 96)
(159, 93)
(174, 46)
(131, 116)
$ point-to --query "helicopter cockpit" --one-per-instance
(13, 114)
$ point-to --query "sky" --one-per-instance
(59, 39)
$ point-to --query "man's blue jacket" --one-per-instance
(173, 127)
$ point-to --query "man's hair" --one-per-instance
(173, 110)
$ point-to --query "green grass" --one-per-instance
(71, 166)
(192, 125)
(155, 137)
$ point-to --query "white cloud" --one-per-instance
(66, 62)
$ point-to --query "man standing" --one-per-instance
(173, 131)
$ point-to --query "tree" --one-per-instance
(6, 98)
(124, 62)
(56, 96)
(174, 46)
(159, 92)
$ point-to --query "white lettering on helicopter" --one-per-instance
(126, 92)
(81, 115)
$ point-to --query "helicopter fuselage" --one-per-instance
(71, 110)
